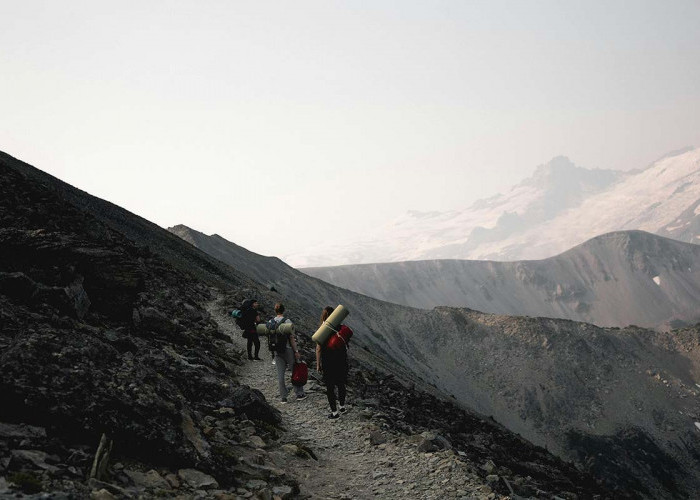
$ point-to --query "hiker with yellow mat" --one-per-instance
(332, 340)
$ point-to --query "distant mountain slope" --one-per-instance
(622, 402)
(617, 279)
(557, 208)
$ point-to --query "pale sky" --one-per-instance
(270, 122)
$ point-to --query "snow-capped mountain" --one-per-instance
(559, 207)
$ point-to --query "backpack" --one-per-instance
(240, 315)
(340, 339)
(276, 341)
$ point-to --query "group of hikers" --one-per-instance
(331, 363)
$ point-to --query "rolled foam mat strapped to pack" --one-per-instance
(285, 328)
(331, 325)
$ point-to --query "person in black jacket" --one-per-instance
(249, 321)
(334, 366)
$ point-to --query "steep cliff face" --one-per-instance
(573, 387)
(618, 279)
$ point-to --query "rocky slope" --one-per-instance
(103, 337)
(559, 207)
(617, 279)
(107, 338)
(593, 395)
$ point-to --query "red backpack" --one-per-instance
(340, 339)
(300, 374)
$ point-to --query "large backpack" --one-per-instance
(242, 316)
(276, 341)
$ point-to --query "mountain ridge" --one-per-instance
(616, 279)
(532, 221)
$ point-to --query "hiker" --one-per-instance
(285, 356)
(333, 364)
(250, 319)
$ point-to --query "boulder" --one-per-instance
(426, 446)
(252, 403)
(377, 438)
(194, 436)
(197, 480)
(34, 459)
(256, 442)
(102, 494)
(71, 300)
(156, 321)
(150, 479)
(283, 492)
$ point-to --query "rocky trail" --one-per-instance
(356, 457)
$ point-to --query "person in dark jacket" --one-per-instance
(334, 366)
(250, 320)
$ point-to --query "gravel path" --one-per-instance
(350, 465)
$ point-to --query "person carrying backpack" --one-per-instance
(333, 364)
(247, 322)
(286, 352)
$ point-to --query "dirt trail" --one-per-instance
(349, 466)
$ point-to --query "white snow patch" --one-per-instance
(657, 280)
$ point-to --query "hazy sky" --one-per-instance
(268, 122)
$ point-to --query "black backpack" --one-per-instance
(246, 315)
(276, 341)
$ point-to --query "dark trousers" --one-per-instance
(330, 392)
(253, 339)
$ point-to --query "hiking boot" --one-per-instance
(334, 416)
(343, 409)
(251, 358)
(283, 401)
(301, 398)
(258, 359)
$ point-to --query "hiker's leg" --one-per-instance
(281, 364)
(341, 393)
(256, 341)
(330, 392)
(250, 346)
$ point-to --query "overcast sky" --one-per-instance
(269, 122)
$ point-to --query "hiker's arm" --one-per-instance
(293, 341)
(318, 358)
